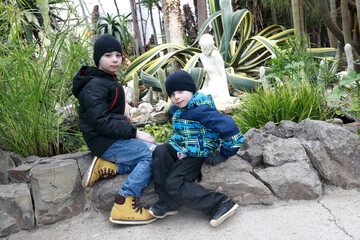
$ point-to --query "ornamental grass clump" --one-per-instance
(290, 101)
(35, 81)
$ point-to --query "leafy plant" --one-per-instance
(293, 62)
(294, 101)
(161, 132)
(346, 98)
(35, 93)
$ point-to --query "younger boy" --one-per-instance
(199, 129)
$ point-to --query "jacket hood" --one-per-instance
(200, 98)
(84, 75)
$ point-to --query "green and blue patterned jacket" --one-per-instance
(199, 129)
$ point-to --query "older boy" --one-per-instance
(199, 129)
(118, 145)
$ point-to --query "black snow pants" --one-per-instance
(174, 182)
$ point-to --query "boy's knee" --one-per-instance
(173, 187)
(159, 149)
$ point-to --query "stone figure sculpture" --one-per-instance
(215, 80)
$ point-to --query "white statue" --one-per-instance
(215, 82)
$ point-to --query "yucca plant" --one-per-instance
(242, 56)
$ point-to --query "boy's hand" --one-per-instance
(145, 136)
(215, 158)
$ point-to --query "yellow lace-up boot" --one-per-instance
(98, 169)
(126, 211)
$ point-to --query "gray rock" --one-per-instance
(292, 180)
(233, 179)
(16, 203)
(57, 191)
(332, 172)
(6, 162)
(255, 140)
(20, 173)
(102, 193)
(342, 149)
(282, 151)
(287, 128)
(83, 159)
(8, 225)
(252, 148)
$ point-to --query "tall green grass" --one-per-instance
(35, 80)
(294, 102)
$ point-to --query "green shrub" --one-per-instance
(290, 101)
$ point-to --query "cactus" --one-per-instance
(349, 57)
(136, 89)
(263, 77)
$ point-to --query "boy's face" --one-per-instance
(181, 98)
(110, 62)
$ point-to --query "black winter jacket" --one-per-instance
(101, 111)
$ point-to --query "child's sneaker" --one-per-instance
(160, 210)
(98, 169)
(224, 211)
(128, 212)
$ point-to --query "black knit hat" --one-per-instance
(179, 81)
(104, 44)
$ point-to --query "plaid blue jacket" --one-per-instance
(199, 129)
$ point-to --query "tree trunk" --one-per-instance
(136, 30)
(273, 14)
(330, 24)
(302, 19)
(117, 9)
(165, 13)
(172, 14)
(153, 26)
(332, 38)
(190, 28)
(296, 17)
(358, 13)
(94, 17)
(201, 13)
(143, 29)
(345, 21)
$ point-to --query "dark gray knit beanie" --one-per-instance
(179, 81)
(104, 44)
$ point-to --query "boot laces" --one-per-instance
(106, 172)
(136, 207)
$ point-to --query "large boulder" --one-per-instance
(333, 150)
(57, 191)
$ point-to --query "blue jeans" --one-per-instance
(135, 156)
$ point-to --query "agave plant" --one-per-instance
(116, 26)
(242, 56)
